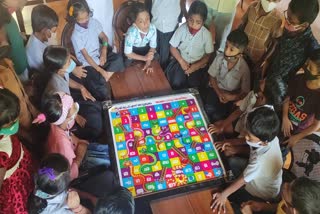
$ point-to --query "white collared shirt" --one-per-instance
(165, 14)
(35, 49)
(263, 175)
(192, 47)
(237, 78)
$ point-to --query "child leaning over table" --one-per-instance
(86, 38)
(229, 77)
(141, 38)
(191, 46)
(262, 178)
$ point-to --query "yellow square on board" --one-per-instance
(200, 176)
(161, 114)
(133, 191)
(202, 156)
(175, 162)
(120, 137)
(156, 167)
(142, 149)
(116, 121)
(162, 147)
(173, 127)
(136, 170)
(196, 139)
(143, 117)
(190, 124)
(177, 143)
(122, 154)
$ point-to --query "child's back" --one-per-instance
(265, 164)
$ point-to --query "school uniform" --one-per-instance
(35, 49)
(262, 175)
(165, 17)
(192, 49)
(88, 39)
(233, 80)
(138, 42)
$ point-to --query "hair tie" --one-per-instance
(40, 119)
(47, 171)
(71, 9)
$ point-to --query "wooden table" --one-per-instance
(134, 82)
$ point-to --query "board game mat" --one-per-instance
(162, 143)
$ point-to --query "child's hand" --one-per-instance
(190, 70)
(217, 127)
(292, 141)
(81, 121)
(227, 148)
(184, 65)
(73, 199)
(147, 67)
(86, 94)
(227, 97)
(79, 72)
(286, 126)
(103, 56)
(106, 75)
(222, 98)
(219, 202)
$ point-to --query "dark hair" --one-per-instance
(137, 8)
(9, 107)
(238, 38)
(52, 107)
(198, 8)
(275, 92)
(5, 16)
(54, 58)
(314, 56)
(120, 201)
(77, 7)
(44, 183)
(43, 17)
(305, 194)
(263, 123)
(306, 11)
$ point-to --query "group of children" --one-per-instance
(250, 89)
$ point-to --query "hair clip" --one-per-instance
(40, 119)
(71, 9)
(47, 171)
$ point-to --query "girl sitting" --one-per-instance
(51, 194)
(85, 39)
(16, 165)
(191, 46)
(141, 38)
(60, 110)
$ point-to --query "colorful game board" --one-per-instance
(162, 143)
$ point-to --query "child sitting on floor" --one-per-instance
(271, 92)
(191, 46)
(141, 38)
(86, 38)
(16, 165)
(262, 177)
(301, 109)
(262, 23)
(51, 194)
(300, 196)
(60, 110)
(229, 77)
